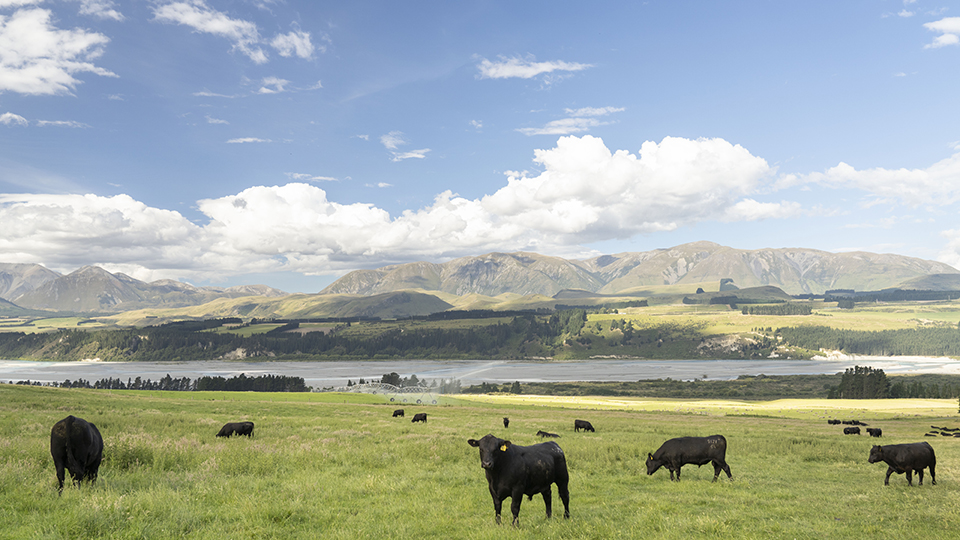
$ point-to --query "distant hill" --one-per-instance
(17, 279)
(934, 282)
(794, 270)
(93, 289)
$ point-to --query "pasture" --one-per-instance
(340, 466)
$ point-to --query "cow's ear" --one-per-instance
(473, 442)
(649, 456)
(505, 445)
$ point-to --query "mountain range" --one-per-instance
(794, 270)
(497, 280)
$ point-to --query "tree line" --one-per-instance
(239, 383)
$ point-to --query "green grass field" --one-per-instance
(339, 466)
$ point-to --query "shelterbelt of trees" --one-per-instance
(565, 334)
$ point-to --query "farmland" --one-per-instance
(339, 466)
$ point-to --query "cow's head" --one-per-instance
(652, 464)
(876, 454)
(490, 449)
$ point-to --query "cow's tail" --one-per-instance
(72, 463)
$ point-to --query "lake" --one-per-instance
(336, 373)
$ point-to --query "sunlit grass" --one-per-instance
(339, 466)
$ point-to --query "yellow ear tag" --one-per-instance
(503, 448)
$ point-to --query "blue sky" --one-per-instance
(288, 142)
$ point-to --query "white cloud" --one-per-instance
(202, 18)
(949, 27)
(62, 123)
(295, 43)
(102, 9)
(904, 13)
(18, 3)
(303, 177)
(584, 193)
(579, 120)
(212, 120)
(38, 58)
(477, 124)
(393, 139)
(273, 85)
(10, 119)
(935, 185)
(243, 140)
(507, 68)
(412, 154)
(207, 93)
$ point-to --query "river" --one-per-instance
(337, 373)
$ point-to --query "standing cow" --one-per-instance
(584, 425)
(420, 417)
(398, 412)
(77, 445)
(239, 428)
(514, 471)
(698, 451)
(506, 422)
(875, 432)
(906, 458)
(851, 431)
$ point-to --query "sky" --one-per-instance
(287, 142)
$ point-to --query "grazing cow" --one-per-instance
(506, 422)
(420, 417)
(906, 458)
(398, 412)
(514, 471)
(543, 434)
(875, 431)
(238, 428)
(77, 445)
(929, 434)
(698, 451)
(833, 422)
(945, 434)
(851, 431)
(584, 425)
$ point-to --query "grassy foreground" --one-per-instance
(339, 466)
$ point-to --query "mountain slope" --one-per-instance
(17, 279)
(795, 270)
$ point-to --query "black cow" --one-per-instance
(929, 434)
(238, 428)
(398, 412)
(506, 422)
(420, 417)
(514, 471)
(875, 431)
(833, 422)
(698, 451)
(584, 425)
(851, 431)
(542, 434)
(77, 445)
(906, 458)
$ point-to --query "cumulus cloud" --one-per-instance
(507, 68)
(935, 185)
(273, 85)
(37, 58)
(949, 28)
(578, 121)
(295, 43)
(10, 119)
(393, 140)
(584, 193)
(202, 18)
(101, 9)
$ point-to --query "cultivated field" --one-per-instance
(339, 466)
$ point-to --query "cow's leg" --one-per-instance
(497, 504)
(671, 474)
(886, 481)
(920, 475)
(548, 501)
(565, 497)
(515, 501)
(933, 475)
(678, 473)
(909, 477)
(60, 476)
